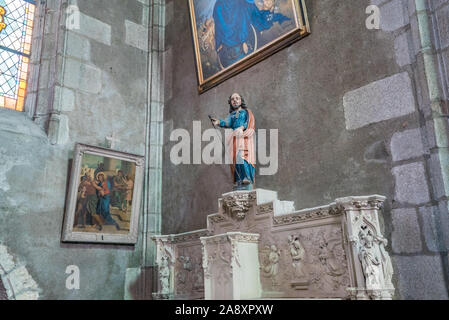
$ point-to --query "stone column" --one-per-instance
(165, 259)
(369, 263)
(231, 266)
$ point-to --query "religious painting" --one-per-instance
(232, 35)
(104, 197)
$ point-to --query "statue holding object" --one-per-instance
(240, 144)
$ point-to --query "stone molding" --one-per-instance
(331, 210)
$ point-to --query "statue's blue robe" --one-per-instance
(242, 168)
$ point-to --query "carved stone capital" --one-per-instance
(237, 204)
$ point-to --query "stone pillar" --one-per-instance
(231, 266)
(369, 263)
(165, 260)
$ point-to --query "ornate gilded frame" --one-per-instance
(302, 30)
(69, 235)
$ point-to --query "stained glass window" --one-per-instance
(15, 51)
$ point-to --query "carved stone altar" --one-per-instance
(333, 251)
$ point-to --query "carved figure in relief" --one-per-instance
(297, 252)
(370, 258)
(186, 268)
(329, 260)
(164, 274)
(271, 265)
(198, 277)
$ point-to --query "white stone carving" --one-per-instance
(369, 261)
(164, 261)
(270, 265)
(164, 274)
(237, 204)
(248, 251)
(230, 263)
(298, 255)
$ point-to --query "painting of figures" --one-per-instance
(232, 35)
(103, 201)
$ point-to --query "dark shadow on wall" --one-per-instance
(143, 287)
(3, 295)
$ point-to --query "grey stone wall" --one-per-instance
(93, 82)
(353, 112)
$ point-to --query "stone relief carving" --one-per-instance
(329, 251)
(376, 263)
(270, 263)
(308, 215)
(298, 255)
(371, 265)
(237, 204)
(327, 260)
(164, 274)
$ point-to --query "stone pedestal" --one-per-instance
(231, 264)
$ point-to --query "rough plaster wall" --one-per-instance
(104, 82)
(320, 93)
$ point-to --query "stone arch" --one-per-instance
(16, 282)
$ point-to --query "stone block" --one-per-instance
(429, 216)
(381, 100)
(442, 16)
(420, 278)
(78, 46)
(411, 184)
(436, 177)
(393, 16)
(406, 145)
(406, 237)
(402, 50)
(94, 29)
(64, 99)
(78, 75)
(136, 35)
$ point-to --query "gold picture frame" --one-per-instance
(272, 25)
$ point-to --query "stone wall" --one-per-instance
(93, 82)
(354, 116)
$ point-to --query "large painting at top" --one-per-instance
(232, 35)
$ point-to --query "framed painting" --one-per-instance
(104, 197)
(231, 35)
